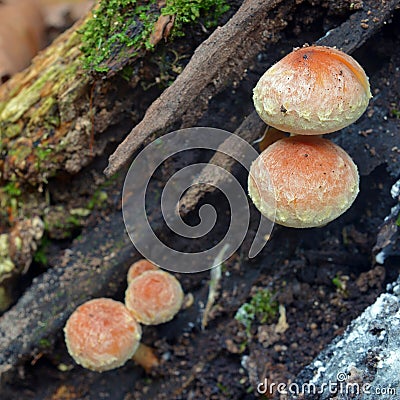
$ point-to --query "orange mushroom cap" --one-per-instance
(309, 182)
(102, 334)
(312, 91)
(154, 297)
(138, 268)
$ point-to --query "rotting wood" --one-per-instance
(55, 116)
(220, 59)
(348, 36)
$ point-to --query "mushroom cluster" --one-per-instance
(303, 180)
(103, 334)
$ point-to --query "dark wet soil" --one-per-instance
(323, 278)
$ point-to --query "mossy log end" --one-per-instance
(44, 114)
(54, 114)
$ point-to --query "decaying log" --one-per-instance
(45, 109)
(54, 114)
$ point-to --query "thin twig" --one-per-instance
(215, 278)
(250, 129)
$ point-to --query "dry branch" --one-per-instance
(220, 59)
(250, 129)
(364, 23)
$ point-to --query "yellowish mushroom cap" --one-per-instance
(138, 268)
(313, 90)
(154, 297)
(303, 181)
(102, 334)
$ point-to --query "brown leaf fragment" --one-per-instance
(162, 28)
(21, 35)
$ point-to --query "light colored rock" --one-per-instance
(364, 362)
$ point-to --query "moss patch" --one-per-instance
(262, 308)
(122, 28)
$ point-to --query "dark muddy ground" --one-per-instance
(322, 277)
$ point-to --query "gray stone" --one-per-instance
(363, 363)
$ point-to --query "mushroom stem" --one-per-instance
(271, 135)
(146, 357)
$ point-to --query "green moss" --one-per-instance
(40, 256)
(45, 343)
(12, 189)
(122, 28)
(42, 153)
(223, 389)
(340, 282)
(98, 199)
(116, 25)
(187, 11)
(61, 223)
(262, 308)
(28, 96)
(48, 111)
(395, 113)
(337, 282)
(12, 130)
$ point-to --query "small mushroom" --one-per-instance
(154, 297)
(138, 268)
(102, 334)
(313, 90)
(303, 181)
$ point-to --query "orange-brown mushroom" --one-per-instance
(311, 91)
(102, 334)
(154, 297)
(303, 181)
(138, 268)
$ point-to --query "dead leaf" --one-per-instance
(21, 35)
(162, 28)
(61, 13)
